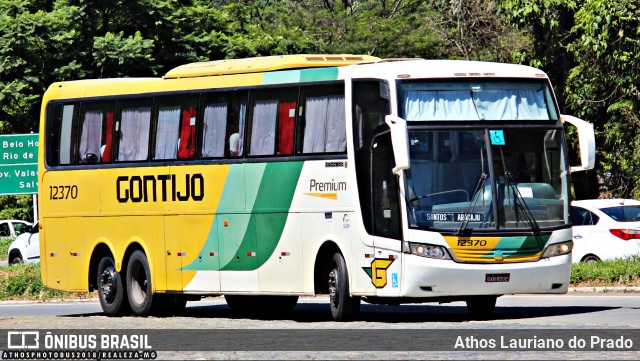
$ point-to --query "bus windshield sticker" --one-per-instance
(497, 137)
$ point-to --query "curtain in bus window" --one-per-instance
(263, 127)
(105, 151)
(532, 105)
(187, 144)
(468, 105)
(243, 115)
(167, 133)
(215, 126)
(325, 129)
(65, 134)
(134, 134)
(91, 137)
(286, 119)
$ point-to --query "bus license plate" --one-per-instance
(497, 277)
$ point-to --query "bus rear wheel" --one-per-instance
(111, 290)
(139, 284)
(343, 306)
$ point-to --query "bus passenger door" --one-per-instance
(387, 224)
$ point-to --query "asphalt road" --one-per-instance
(548, 314)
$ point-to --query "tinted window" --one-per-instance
(583, 217)
(623, 213)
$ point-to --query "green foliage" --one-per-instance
(22, 282)
(5, 242)
(17, 207)
(603, 87)
(621, 272)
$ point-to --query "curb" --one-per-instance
(623, 289)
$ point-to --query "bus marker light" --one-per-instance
(53, 254)
(182, 254)
(251, 254)
(225, 223)
(284, 254)
(368, 255)
(212, 254)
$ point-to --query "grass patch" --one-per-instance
(4, 246)
(23, 282)
(620, 272)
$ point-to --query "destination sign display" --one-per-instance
(451, 217)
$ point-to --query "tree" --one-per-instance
(603, 87)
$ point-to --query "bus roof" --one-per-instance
(445, 69)
(265, 63)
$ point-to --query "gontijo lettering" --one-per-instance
(165, 187)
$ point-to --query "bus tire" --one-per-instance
(343, 307)
(139, 284)
(111, 290)
(481, 307)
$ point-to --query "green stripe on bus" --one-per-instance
(268, 216)
(319, 74)
(518, 246)
(251, 238)
(296, 76)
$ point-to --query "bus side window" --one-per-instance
(187, 142)
(62, 149)
(286, 122)
(107, 135)
(263, 127)
(90, 135)
(272, 122)
(214, 129)
(324, 120)
(167, 128)
(135, 121)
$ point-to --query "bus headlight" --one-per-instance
(429, 251)
(558, 249)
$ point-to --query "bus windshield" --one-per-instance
(455, 173)
(476, 100)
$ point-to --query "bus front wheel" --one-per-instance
(481, 307)
(343, 306)
(139, 284)
(111, 290)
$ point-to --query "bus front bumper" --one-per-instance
(426, 277)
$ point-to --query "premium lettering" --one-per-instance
(333, 186)
(163, 188)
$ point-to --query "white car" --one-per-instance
(26, 247)
(13, 228)
(605, 229)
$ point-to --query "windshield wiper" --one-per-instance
(472, 204)
(520, 204)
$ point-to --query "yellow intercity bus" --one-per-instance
(265, 179)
